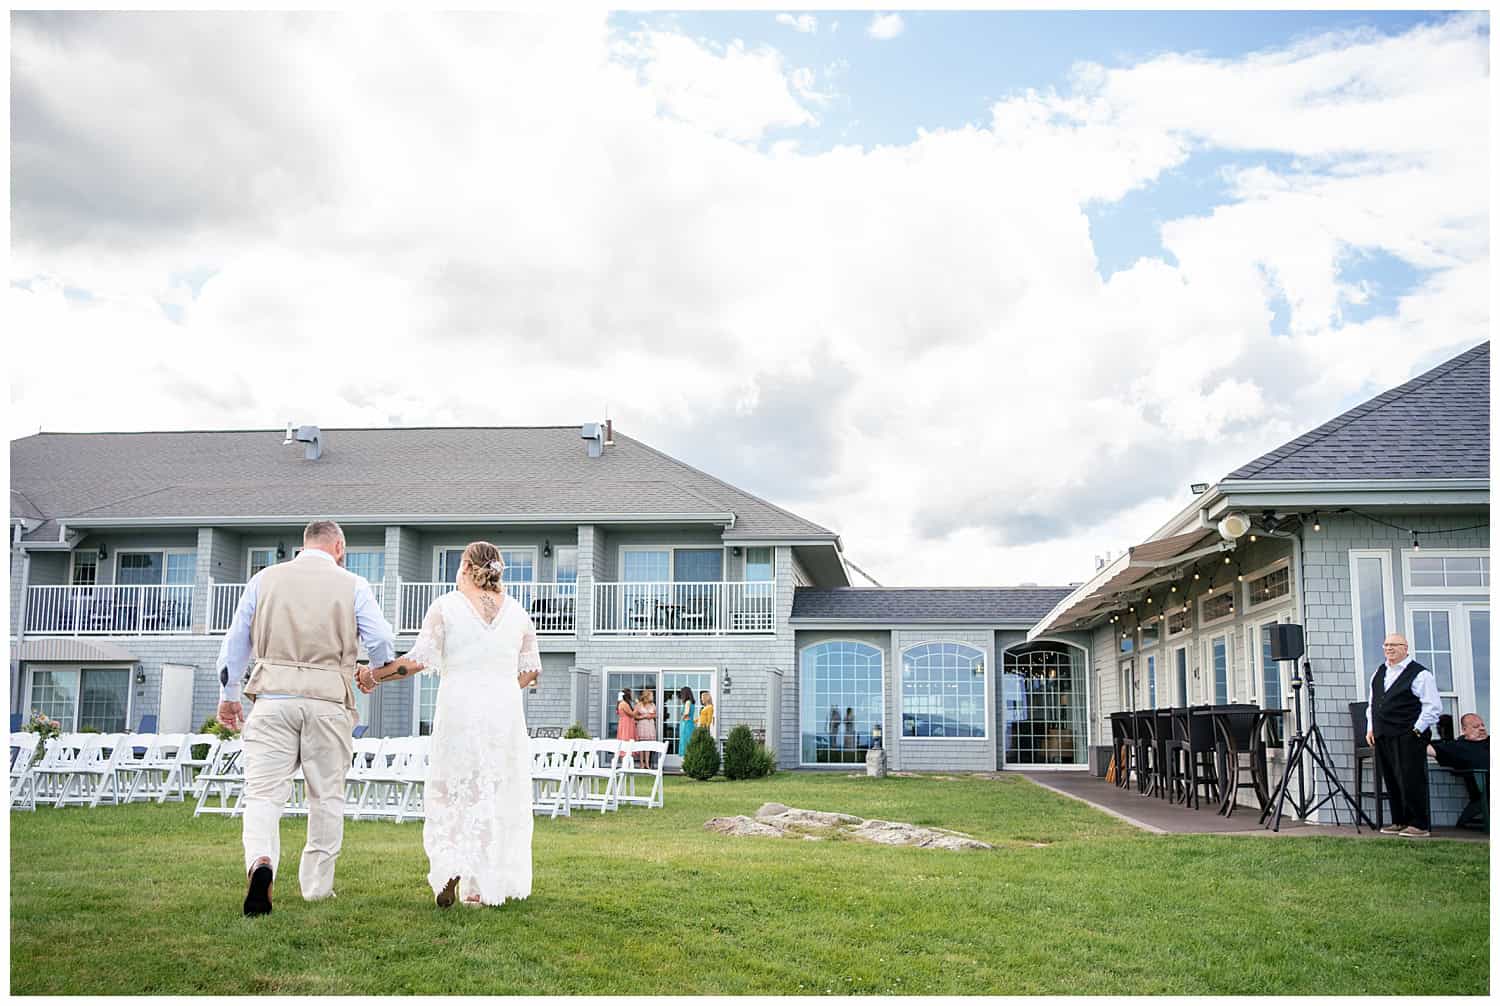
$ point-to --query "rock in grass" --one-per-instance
(741, 825)
(777, 820)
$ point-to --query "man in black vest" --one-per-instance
(1404, 706)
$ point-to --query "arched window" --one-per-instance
(842, 701)
(1044, 705)
(942, 691)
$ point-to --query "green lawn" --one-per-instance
(146, 899)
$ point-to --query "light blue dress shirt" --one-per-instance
(237, 651)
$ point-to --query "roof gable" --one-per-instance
(1437, 425)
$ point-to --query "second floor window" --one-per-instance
(151, 569)
(758, 564)
(565, 565)
(368, 563)
(260, 558)
(85, 569)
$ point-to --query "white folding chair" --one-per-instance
(149, 775)
(385, 782)
(551, 776)
(60, 755)
(361, 763)
(413, 804)
(23, 747)
(190, 768)
(93, 772)
(639, 764)
(135, 751)
(596, 780)
(224, 779)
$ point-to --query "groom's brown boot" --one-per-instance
(258, 893)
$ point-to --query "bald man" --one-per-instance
(1404, 707)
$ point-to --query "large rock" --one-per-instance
(777, 820)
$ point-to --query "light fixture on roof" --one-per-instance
(1198, 488)
(1234, 525)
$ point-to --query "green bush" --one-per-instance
(739, 753)
(764, 762)
(219, 730)
(576, 732)
(701, 760)
(90, 730)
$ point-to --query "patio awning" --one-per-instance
(1141, 566)
(72, 651)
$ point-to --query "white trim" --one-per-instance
(250, 551)
(745, 563)
(725, 518)
(1087, 683)
(438, 550)
(987, 702)
(79, 667)
(671, 551)
(802, 691)
(1161, 631)
(606, 703)
(1461, 647)
(1184, 648)
(72, 556)
(1208, 664)
(558, 550)
(1152, 682)
(1479, 590)
(1251, 577)
(1256, 675)
(1388, 587)
(1125, 681)
(1229, 588)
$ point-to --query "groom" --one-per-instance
(297, 630)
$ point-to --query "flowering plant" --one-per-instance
(41, 723)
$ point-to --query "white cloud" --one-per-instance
(911, 344)
(805, 23)
(885, 26)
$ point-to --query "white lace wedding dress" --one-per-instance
(478, 794)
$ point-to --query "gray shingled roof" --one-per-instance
(1436, 425)
(491, 471)
(989, 605)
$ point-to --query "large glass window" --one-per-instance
(85, 569)
(759, 564)
(1218, 659)
(639, 565)
(1432, 647)
(139, 569)
(1150, 633)
(368, 563)
(1044, 706)
(261, 558)
(942, 691)
(1458, 572)
(1479, 646)
(842, 701)
(1270, 671)
(427, 689)
(98, 699)
(1151, 681)
(1180, 664)
(1370, 605)
(1262, 589)
(698, 565)
(520, 565)
(565, 564)
(1216, 606)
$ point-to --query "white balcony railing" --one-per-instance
(714, 608)
(552, 605)
(116, 611)
(223, 598)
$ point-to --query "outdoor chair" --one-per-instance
(413, 806)
(552, 778)
(639, 763)
(1179, 756)
(1161, 754)
(1202, 752)
(400, 765)
(1234, 743)
(223, 779)
(1122, 731)
(59, 754)
(23, 748)
(152, 773)
(362, 762)
(597, 775)
(92, 772)
(1144, 730)
(137, 748)
(1365, 753)
(185, 781)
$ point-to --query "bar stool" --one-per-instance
(1122, 729)
(1202, 752)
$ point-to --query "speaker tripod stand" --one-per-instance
(1308, 755)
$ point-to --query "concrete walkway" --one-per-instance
(1150, 814)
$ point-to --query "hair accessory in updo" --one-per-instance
(494, 564)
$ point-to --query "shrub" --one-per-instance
(739, 753)
(576, 732)
(764, 762)
(701, 760)
(90, 730)
(219, 730)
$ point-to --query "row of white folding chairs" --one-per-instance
(386, 779)
(593, 774)
(84, 768)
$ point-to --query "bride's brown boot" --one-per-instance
(448, 894)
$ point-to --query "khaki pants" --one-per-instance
(279, 735)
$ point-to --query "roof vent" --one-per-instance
(594, 434)
(309, 435)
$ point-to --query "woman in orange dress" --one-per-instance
(625, 712)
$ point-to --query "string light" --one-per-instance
(1317, 525)
(1252, 539)
(1416, 546)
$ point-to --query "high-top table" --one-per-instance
(1242, 728)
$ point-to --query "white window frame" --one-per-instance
(1125, 684)
(363, 550)
(165, 551)
(1161, 630)
(1208, 666)
(1388, 586)
(1186, 649)
(1442, 553)
(986, 701)
(1153, 680)
(745, 565)
(438, 550)
(1463, 692)
(416, 700)
(250, 558)
(72, 566)
(1253, 658)
(1280, 600)
(1177, 610)
(885, 673)
(671, 551)
(79, 669)
(607, 699)
(557, 551)
(1206, 596)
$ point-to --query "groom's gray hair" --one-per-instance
(326, 531)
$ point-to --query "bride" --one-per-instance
(477, 831)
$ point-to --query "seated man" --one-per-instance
(1464, 754)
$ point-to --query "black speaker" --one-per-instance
(1286, 641)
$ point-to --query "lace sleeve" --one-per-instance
(428, 649)
(530, 658)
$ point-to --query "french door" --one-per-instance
(665, 684)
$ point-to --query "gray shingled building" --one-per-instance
(129, 552)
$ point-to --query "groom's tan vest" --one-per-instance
(304, 635)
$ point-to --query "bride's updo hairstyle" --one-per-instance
(485, 565)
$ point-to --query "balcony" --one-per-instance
(223, 598)
(112, 611)
(552, 605)
(684, 609)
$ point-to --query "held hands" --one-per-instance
(365, 678)
(527, 678)
(231, 715)
(399, 668)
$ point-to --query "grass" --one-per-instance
(145, 899)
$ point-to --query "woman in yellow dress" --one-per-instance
(705, 710)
